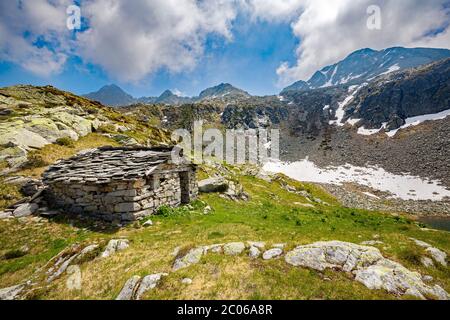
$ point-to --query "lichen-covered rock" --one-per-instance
(366, 264)
(438, 255)
(115, 245)
(136, 287)
(192, 257)
(129, 289)
(148, 282)
(218, 184)
(234, 248)
(272, 253)
(11, 293)
(25, 210)
(254, 252)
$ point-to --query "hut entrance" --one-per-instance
(184, 186)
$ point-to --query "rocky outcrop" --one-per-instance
(136, 286)
(438, 255)
(391, 99)
(367, 265)
(113, 246)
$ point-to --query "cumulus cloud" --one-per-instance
(33, 34)
(131, 39)
(330, 30)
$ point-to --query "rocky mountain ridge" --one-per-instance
(112, 95)
(366, 64)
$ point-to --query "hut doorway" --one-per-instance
(185, 187)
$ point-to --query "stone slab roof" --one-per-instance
(107, 164)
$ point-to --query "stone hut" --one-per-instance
(120, 184)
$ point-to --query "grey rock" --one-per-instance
(5, 215)
(272, 253)
(187, 281)
(366, 264)
(129, 289)
(25, 210)
(115, 245)
(258, 244)
(148, 282)
(371, 242)
(254, 252)
(438, 255)
(148, 223)
(234, 248)
(427, 262)
(213, 185)
(192, 257)
(11, 293)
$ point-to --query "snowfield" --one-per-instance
(410, 122)
(405, 187)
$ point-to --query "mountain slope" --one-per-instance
(111, 95)
(222, 90)
(366, 64)
(393, 98)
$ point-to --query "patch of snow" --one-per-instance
(368, 132)
(414, 121)
(353, 121)
(281, 98)
(410, 122)
(327, 107)
(340, 112)
(399, 186)
(393, 68)
(371, 195)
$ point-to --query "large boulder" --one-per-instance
(218, 184)
(367, 265)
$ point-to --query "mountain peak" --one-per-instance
(365, 64)
(111, 95)
(222, 90)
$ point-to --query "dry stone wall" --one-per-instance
(125, 201)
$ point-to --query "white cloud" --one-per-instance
(330, 30)
(23, 23)
(131, 39)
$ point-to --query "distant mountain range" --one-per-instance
(366, 64)
(360, 66)
(113, 95)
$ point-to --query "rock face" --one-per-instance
(11, 293)
(366, 264)
(192, 257)
(234, 248)
(136, 287)
(25, 210)
(114, 246)
(438, 255)
(211, 185)
(365, 64)
(272, 253)
(406, 94)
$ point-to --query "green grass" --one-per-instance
(272, 215)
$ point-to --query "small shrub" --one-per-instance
(66, 142)
(14, 254)
(164, 211)
(35, 160)
(107, 128)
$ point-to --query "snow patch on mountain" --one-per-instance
(405, 187)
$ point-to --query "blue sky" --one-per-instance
(148, 46)
(248, 61)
